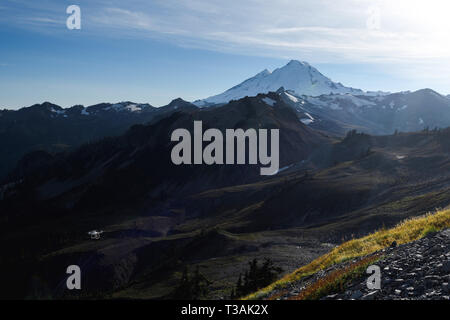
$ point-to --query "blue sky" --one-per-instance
(154, 51)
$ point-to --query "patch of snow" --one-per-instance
(291, 97)
(84, 112)
(309, 116)
(126, 106)
(57, 111)
(269, 101)
(307, 121)
(133, 108)
(285, 168)
(421, 121)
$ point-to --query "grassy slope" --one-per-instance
(407, 231)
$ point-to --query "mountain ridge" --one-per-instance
(51, 128)
(402, 111)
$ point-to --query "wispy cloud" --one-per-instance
(328, 31)
(322, 30)
(44, 21)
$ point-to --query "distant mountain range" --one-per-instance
(296, 141)
(318, 102)
(51, 128)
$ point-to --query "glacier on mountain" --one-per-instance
(299, 78)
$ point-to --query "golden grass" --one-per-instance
(335, 281)
(407, 231)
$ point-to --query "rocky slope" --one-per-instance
(419, 270)
(416, 271)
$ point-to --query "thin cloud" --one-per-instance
(244, 26)
(404, 32)
(44, 20)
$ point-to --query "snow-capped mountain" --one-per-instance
(299, 77)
